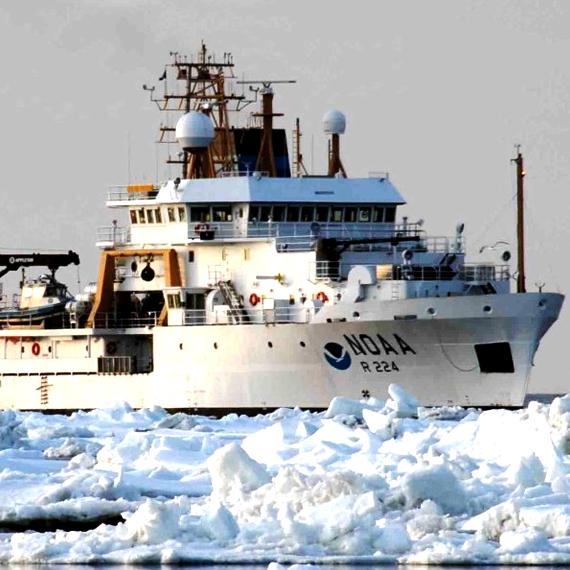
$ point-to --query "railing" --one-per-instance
(113, 235)
(302, 235)
(289, 314)
(335, 271)
(122, 194)
(484, 272)
(114, 321)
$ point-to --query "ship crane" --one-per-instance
(53, 261)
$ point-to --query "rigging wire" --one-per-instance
(499, 213)
(544, 258)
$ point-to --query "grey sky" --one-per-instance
(435, 92)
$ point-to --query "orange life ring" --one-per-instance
(202, 227)
(254, 299)
(322, 296)
(36, 348)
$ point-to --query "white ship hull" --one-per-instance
(258, 367)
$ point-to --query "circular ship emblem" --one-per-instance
(337, 356)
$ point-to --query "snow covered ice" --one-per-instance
(369, 482)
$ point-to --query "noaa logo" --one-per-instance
(337, 356)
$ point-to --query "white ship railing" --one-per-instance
(249, 316)
(111, 320)
(303, 235)
(470, 272)
(122, 194)
(110, 236)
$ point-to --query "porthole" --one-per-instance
(302, 343)
(356, 315)
(542, 304)
(180, 346)
(216, 345)
(487, 309)
(270, 344)
(431, 311)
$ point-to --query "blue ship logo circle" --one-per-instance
(337, 356)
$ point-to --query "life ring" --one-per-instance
(111, 348)
(322, 296)
(202, 227)
(254, 299)
(36, 348)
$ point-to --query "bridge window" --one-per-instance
(253, 213)
(322, 214)
(150, 216)
(292, 213)
(307, 213)
(142, 218)
(133, 216)
(278, 213)
(350, 214)
(364, 215)
(264, 213)
(171, 216)
(200, 214)
(390, 215)
(222, 213)
(182, 213)
(158, 215)
(336, 214)
(378, 215)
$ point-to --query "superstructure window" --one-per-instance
(200, 214)
(390, 215)
(350, 214)
(278, 213)
(150, 216)
(292, 213)
(222, 213)
(133, 217)
(336, 214)
(173, 301)
(364, 215)
(322, 214)
(142, 217)
(253, 213)
(264, 213)
(307, 213)
(182, 213)
(378, 215)
(158, 215)
(171, 216)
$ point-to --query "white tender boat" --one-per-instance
(246, 284)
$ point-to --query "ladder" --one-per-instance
(395, 290)
(233, 301)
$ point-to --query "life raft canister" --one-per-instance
(202, 227)
(322, 296)
(254, 299)
(36, 348)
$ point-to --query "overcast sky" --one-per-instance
(436, 92)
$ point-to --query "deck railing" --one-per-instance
(469, 272)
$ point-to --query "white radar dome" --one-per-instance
(195, 130)
(334, 123)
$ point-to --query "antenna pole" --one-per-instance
(521, 287)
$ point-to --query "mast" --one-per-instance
(204, 82)
(521, 287)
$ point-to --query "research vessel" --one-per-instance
(244, 283)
